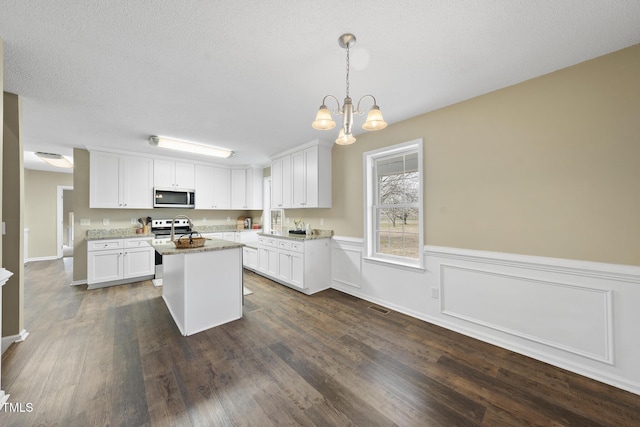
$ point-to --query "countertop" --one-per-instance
(130, 233)
(168, 248)
(315, 234)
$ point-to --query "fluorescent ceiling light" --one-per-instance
(189, 147)
(56, 160)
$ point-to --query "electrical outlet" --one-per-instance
(287, 220)
(435, 293)
(105, 221)
(204, 220)
(228, 219)
(85, 222)
(321, 221)
(134, 221)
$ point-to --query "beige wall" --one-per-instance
(1, 132)
(41, 191)
(12, 216)
(548, 167)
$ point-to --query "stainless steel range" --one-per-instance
(161, 229)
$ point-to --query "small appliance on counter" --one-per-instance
(247, 223)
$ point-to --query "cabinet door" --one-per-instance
(286, 182)
(185, 175)
(138, 262)
(311, 177)
(137, 179)
(204, 187)
(104, 266)
(298, 180)
(104, 180)
(163, 173)
(239, 189)
(276, 183)
(221, 188)
(284, 266)
(297, 270)
(250, 257)
(272, 267)
(263, 260)
(255, 177)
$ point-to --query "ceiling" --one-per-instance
(250, 75)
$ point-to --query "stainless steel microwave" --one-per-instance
(174, 198)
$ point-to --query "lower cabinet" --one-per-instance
(301, 264)
(250, 258)
(117, 261)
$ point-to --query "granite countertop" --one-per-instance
(130, 233)
(315, 234)
(116, 233)
(221, 228)
(168, 248)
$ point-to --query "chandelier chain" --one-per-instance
(347, 70)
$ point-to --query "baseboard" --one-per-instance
(42, 258)
(78, 282)
(10, 339)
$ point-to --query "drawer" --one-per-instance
(297, 246)
(136, 243)
(272, 242)
(283, 244)
(101, 245)
(262, 240)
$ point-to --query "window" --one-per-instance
(393, 188)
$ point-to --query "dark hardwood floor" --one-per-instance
(114, 357)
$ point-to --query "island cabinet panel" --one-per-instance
(303, 264)
(203, 289)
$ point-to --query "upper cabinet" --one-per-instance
(281, 182)
(169, 174)
(213, 187)
(120, 181)
(246, 188)
(302, 179)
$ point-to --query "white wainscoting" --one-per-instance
(580, 316)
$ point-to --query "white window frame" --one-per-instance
(370, 190)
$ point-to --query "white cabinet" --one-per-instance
(118, 261)
(169, 174)
(302, 179)
(250, 258)
(120, 181)
(213, 187)
(301, 264)
(246, 188)
(281, 182)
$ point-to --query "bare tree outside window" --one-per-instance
(397, 207)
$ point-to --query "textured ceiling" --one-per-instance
(250, 75)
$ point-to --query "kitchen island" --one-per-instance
(202, 287)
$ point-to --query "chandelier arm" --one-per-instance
(358, 110)
(337, 110)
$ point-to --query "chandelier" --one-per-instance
(324, 121)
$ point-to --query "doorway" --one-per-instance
(65, 220)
